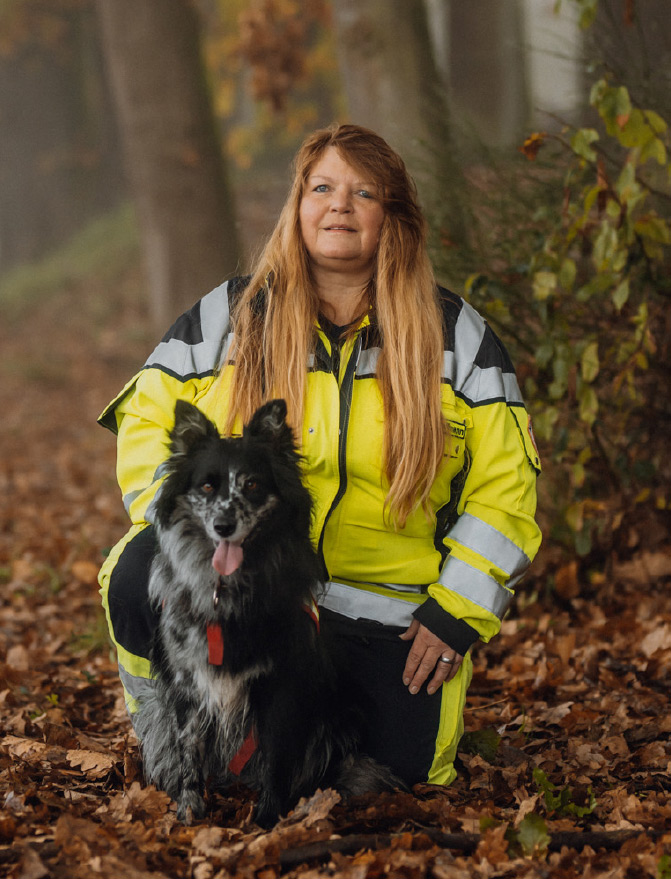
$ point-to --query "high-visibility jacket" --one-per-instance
(464, 561)
(454, 571)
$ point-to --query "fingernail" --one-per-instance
(406, 681)
(413, 690)
(431, 690)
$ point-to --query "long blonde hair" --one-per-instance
(271, 361)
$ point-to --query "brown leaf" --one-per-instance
(24, 749)
(93, 763)
(139, 802)
(312, 809)
(566, 581)
(644, 567)
(532, 144)
(658, 639)
(493, 847)
(18, 658)
(85, 572)
(31, 865)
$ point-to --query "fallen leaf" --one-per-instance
(658, 639)
(93, 763)
(18, 658)
(85, 572)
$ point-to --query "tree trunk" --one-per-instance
(488, 68)
(175, 165)
(60, 163)
(393, 86)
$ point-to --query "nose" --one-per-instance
(341, 200)
(225, 524)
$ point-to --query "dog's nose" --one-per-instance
(224, 527)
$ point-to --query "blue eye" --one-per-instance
(322, 187)
(364, 193)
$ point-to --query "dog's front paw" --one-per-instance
(267, 811)
(190, 807)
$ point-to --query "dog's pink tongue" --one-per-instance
(227, 558)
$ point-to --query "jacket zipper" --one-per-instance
(345, 399)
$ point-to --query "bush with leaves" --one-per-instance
(582, 295)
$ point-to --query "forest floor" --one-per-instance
(565, 770)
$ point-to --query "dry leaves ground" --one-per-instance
(565, 769)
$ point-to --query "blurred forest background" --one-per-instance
(144, 155)
(145, 150)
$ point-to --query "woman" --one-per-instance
(416, 442)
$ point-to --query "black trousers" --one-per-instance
(398, 729)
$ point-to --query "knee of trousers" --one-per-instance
(136, 687)
(124, 580)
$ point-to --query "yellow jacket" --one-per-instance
(462, 565)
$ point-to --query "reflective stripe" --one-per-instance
(481, 385)
(477, 385)
(477, 587)
(226, 349)
(484, 539)
(367, 362)
(186, 360)
(137, 688)
(130, 497)
(355, 603)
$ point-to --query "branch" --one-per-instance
(461, 842)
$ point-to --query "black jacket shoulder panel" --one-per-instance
(450, 304)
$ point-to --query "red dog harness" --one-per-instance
(215, 656)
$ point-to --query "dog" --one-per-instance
(244, 687)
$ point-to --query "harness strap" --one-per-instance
(215, 644)
(240, 760)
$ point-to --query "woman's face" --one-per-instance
(341, 215)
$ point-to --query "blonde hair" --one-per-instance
(272, 362)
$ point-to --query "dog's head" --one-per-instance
(233, 489)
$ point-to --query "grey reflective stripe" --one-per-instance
(477, 587)
(355, 603)
(130, 497)
(484, 539)
(159, 473)
(223, 357)
(186, 360)
(137, 688)
(459, 369)
(367, 362)
(480, 385)
(468, 334)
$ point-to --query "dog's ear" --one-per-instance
(269, 422)
(191, 426)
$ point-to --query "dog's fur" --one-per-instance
(239, 504)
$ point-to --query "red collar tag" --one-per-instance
(215, 644)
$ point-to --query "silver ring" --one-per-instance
(447, 661)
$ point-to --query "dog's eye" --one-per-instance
(207, 488)
(251, 484)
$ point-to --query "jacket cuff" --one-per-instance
(457, 633)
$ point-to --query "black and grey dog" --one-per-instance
(243, 685)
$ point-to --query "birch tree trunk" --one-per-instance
(175, 165)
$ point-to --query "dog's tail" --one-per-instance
(359, 774)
